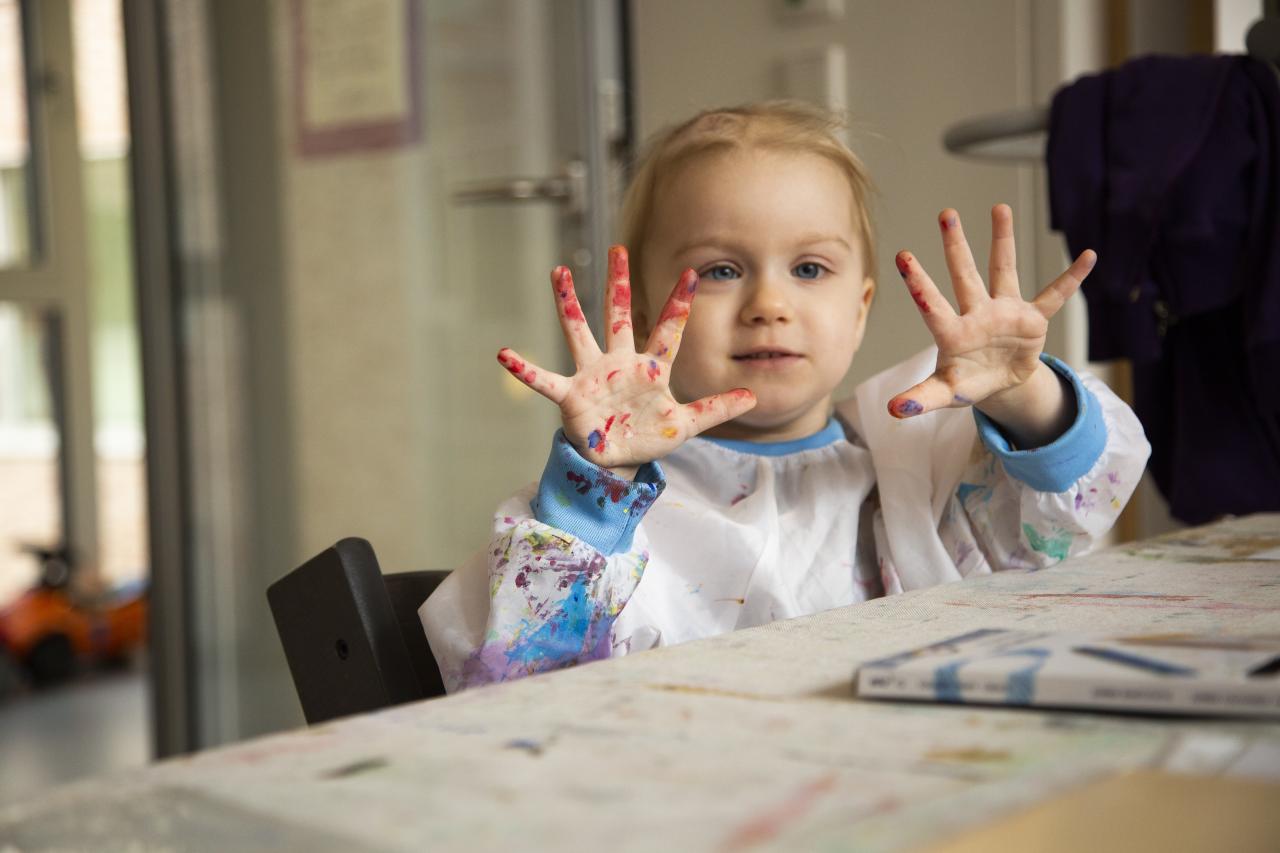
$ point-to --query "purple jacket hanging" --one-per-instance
(1170, 168)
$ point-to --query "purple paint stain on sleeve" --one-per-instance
(580, 482)
(612, 485)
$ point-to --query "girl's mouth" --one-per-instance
(767, 357)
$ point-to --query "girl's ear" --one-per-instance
(868, 293)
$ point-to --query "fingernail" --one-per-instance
(510, 362)
(907, 409)
(618, 261)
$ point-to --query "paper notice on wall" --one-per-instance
(356, 74)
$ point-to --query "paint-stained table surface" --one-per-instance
(752, 740)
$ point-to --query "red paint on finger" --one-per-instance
(674, 310)
(903, 261)
(947, 222)
(688, 285)
(564, 290)
(619, 325)
(619, 265)
(510, 362)
(622, 295)
(612, 374)
(677, 307)
(918, 297)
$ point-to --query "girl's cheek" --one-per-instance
(681, 388)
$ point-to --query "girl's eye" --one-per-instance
(808, 269)
(721, 272)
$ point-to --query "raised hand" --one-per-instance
(989, 353)
(617, 408)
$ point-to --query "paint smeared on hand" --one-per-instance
(905, 408)
(515, 366)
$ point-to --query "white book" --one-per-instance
(1165, 673)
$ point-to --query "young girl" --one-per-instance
(658, 522)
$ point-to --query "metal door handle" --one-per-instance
(568, 188)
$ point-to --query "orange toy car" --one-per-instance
(49, 629)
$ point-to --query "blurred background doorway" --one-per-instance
(73, 518)
(352, 205)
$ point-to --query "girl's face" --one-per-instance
(782, 301)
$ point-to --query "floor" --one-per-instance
(101, 721)
(96, 724)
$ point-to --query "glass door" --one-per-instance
(73, 523)
(47, 476)
(368, 199)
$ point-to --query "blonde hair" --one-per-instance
(774, 125)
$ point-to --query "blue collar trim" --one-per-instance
(829, 434)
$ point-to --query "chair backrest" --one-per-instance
(352, 635)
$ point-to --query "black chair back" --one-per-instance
(351, 635)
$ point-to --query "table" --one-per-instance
(752, 740)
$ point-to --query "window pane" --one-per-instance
(15, 148)
(30, 494)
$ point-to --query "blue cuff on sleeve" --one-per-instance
(1056, 466)
(590, 502)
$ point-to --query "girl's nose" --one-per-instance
(767, 303)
